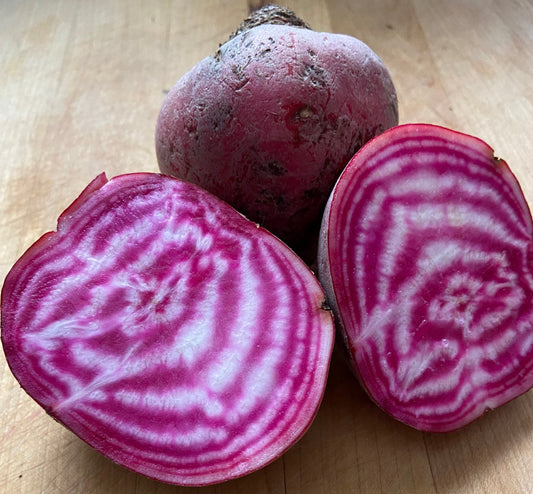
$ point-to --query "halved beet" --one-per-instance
(167, 331)
(426, 257)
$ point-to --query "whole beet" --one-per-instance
(270, 121)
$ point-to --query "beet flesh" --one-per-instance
(426, 257)
(167, 331)
(269, 122)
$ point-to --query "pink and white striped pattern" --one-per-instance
(426, 254)
(168, 332)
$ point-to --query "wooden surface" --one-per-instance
(81, 83)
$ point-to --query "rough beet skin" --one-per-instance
(426, 257)
(269, 122)
(167, 331)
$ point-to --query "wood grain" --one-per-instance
(81, 87)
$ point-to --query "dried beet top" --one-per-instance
(167, 331)
(426, 255)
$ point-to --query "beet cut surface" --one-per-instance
(167, 331)
(426, 257)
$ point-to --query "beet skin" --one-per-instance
(269, 122)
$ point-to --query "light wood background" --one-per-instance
(81, 83)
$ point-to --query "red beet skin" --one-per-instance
(425, 254)
(167, 331)
(270, 122)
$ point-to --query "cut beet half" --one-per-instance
(425, 255)
(168, 332)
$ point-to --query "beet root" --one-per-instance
(425, 254)
(167, 331)
(269, 122)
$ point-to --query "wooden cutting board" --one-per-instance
(81, 84)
